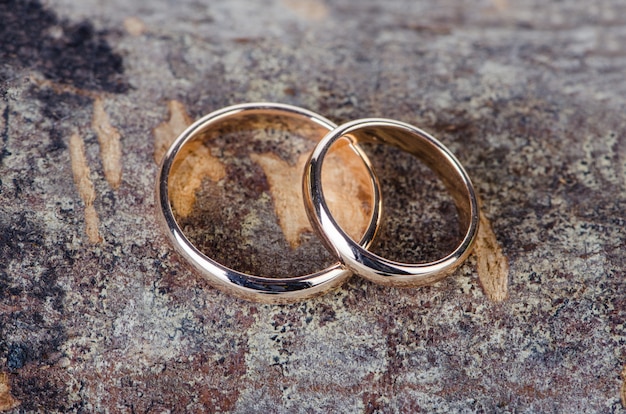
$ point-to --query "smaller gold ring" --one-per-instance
(437, 157)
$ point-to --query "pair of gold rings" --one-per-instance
(353, 257)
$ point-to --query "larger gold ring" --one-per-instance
(243, 285)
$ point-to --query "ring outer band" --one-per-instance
(242, 285)
(426, 148)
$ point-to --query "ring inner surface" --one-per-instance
(426, 206)
(236, 192)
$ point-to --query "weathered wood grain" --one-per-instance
(7, 401)
(529, 96)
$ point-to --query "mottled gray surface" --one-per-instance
(529, 95)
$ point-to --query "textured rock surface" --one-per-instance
(98, 315)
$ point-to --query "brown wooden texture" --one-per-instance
(97, 313)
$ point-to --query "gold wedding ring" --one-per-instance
(437, 157)
(262, 289)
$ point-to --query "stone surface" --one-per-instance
(529, 95)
